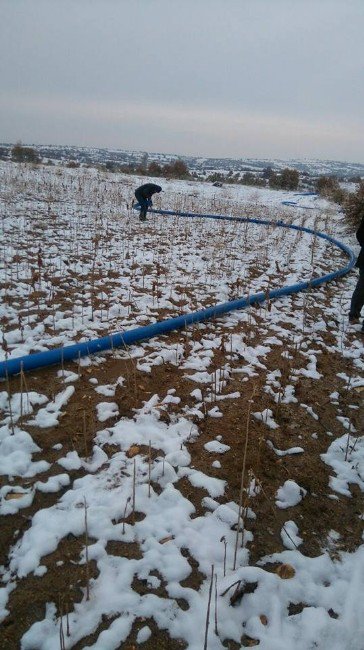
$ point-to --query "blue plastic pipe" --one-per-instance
(295, 205)
(60, 355)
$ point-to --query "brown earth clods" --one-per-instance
(317, 514)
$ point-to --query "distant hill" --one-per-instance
(200, 165)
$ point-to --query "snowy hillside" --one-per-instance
(91, 155)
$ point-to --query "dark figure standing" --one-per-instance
(357, 300)
(144, 195)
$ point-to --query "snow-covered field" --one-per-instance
(202, 489)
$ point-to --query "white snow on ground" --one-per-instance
(16, 454)
(289, 535)
(266, 417)
(133, 279)
(346, 456)
(289, 494)
(50, 414)
(107, 410)
(216, 446)
(286, 452)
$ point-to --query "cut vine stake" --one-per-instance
(245, 507)
(216, 630)
(348, 442)
(61, 633)
(10, 407)
(124, 516)
(21, 396)
(208, 607)
(68, 633)
(62, 367)
(239, 517)
(149, 466)
(84, 433)
(275, 515)
(223, 539)
(250, 401)
(86, 553)
(133, 497)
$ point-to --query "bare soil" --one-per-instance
(317, 514)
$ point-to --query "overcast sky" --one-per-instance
(239, 78)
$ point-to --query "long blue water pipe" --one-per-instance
(59, 355)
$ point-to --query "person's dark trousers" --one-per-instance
(143, 209)
(143, 202)
(357, 300)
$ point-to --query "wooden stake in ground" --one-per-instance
(242, 477)
(86, 553)
(216, 630)
(275, 514)
(223, 539)
(124, 516)
(24, 383)
(149, 466)
(62, 367)
(67, 620)
(239, 517)
(208, 608)
(9, 400)
(133, 497)
(84, 433)
(348, 442)
(61, 632)
(21, 395)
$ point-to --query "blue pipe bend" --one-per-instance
(59, 355)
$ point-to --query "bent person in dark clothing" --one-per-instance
(357, 300)
(144, 195)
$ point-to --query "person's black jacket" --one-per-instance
(146, 191)
(360, 238)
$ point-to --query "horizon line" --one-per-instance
(144, 151)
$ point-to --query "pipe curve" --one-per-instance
(59, 355)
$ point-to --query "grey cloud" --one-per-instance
(249, 63)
